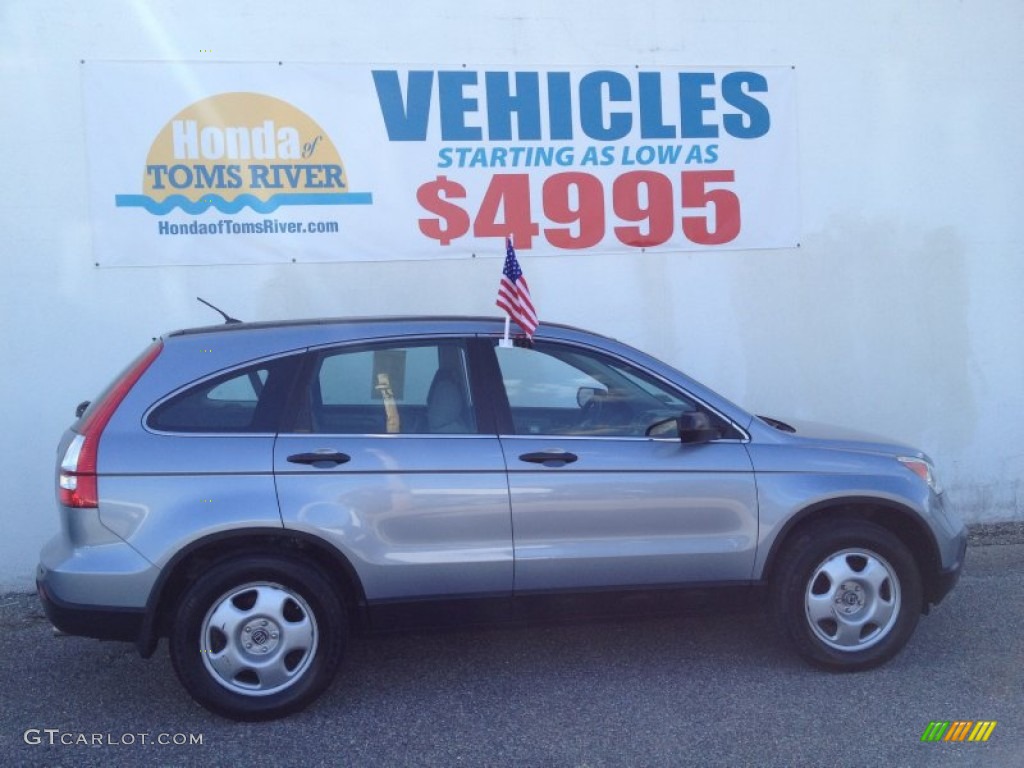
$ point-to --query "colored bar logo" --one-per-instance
(958, 730)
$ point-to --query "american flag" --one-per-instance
(514, 293)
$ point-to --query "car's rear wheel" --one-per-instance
(258, 637)
(847, 594)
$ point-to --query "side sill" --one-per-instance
(438, 613)
(560, 606)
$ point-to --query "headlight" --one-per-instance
(923, 469)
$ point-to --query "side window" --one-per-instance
(240, 401)
(556, 390)
(393, 389)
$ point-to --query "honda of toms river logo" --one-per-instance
(241, 150)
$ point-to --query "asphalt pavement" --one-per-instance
(708, 688)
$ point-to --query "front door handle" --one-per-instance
(320, 459)
(554, 458)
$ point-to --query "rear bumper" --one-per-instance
(95, 591)
(102, 622)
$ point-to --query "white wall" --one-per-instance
(900, 313)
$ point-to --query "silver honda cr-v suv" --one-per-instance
(253, 491)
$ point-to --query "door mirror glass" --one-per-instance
(585, 394)
(665, 428)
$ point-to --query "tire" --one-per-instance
(847, 595)
(258, 637)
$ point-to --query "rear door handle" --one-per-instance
(320, 459)
(555, 458)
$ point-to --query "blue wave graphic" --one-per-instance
(242, 201)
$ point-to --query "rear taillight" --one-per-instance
(71, 485)
(76, 486)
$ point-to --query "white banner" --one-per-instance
(207, 163)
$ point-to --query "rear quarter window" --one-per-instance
(247, 400)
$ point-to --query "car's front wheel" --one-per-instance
(847, 594)
(258, 637)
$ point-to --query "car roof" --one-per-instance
(427, 321)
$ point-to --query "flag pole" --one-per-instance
(507, 342)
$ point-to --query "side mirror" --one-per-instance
(692, 428)
(585, 394)
(695, 427)
(81, 409)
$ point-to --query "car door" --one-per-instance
(596, 502)
(388, 460)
